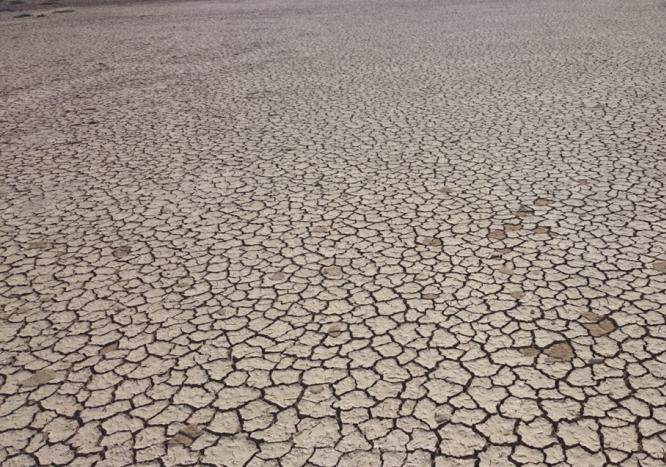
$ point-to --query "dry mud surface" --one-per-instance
(333, 233)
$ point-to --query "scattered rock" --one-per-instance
(561, 351)
(660, 266)
(39, 378)
(517, 294)
(600, 328)
(542, 230)
(317, 389)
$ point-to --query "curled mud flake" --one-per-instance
(543, 202)
(121, 251)
(332, 272)
(108, 348)
(39, 378)
(441, 416)
(512, 227)
(530, 351)
(660, 266)
(497, 234)
(500, 252)
(601, 328)
(335, 329)
(542, 230)
(517, 294)
(429, 241)
(561, 351)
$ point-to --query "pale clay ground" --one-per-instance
(333, 233)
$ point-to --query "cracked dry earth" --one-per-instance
(343, 233)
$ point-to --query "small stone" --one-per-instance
(317, 389)
(39, 378)
(430, 296)
(560, 351)
(517, 294)
(542, 230)
(512, 227)
(335, 329)
(583, 182)
(660, 266)
(595, 361)
(319, 229)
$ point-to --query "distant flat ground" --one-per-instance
(333, 233)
